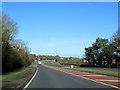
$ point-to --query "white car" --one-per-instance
(39, 62)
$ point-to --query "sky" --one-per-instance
(62, 28)
(60, 0)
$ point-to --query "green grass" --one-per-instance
(43, 61)
(56, 63)
(12, 74)
(112, 73)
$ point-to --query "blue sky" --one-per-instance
(63, 28)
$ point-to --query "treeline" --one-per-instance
(15, 53)
(104, 52)
(71, 61)
(62, 60)
(48, 57)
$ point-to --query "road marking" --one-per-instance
(108, 80)
(92, 75)
(93, 80)
(26, 86)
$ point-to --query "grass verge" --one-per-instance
(12, 74)
(111, 73)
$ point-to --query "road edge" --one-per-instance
(26, 86)
(93, 80)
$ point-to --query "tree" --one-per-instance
(15, 53)
(103, 52)
(94, 54)
(9, 29)
(88, 53)
(115, 42)
(98, 46)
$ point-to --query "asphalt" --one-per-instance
(49, 78)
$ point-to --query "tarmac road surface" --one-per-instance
(49, 78)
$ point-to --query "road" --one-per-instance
(49, 78)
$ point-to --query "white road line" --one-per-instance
(30, 80)
(108, 80)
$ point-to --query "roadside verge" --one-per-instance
(19, 79)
